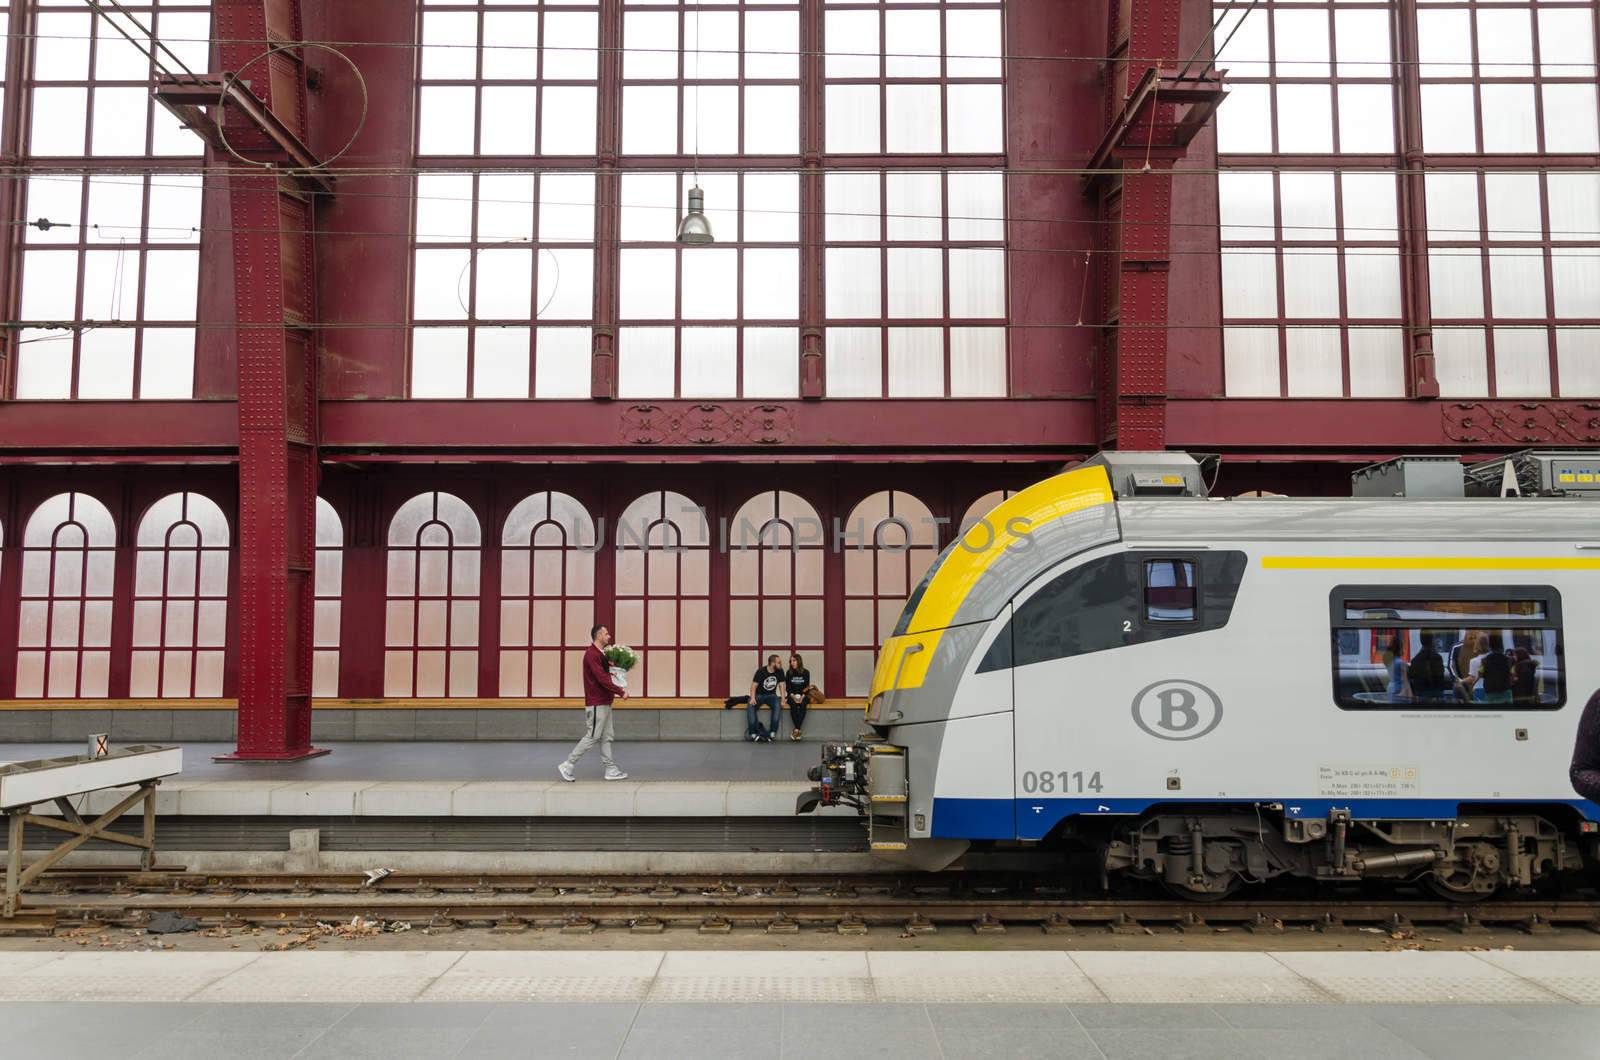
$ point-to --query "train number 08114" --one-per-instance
(1061, 781)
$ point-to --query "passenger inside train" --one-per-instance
(1407, 653)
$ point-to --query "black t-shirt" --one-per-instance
(767, 682)
(797, 681)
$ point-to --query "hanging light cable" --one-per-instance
(695, 228)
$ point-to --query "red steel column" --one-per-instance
(607, 183)
(272, 270)
(813, 374)
(1135, 406)
(1421, 381)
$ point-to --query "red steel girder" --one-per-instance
(277, 403)
(1133, 373)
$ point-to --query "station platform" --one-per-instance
(677, 779)
(732, 1003)
(686, 806)
(642, 719)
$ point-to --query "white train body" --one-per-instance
(1260, 719)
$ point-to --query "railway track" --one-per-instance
(843, 903)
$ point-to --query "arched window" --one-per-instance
(546, 596)
(431, 621)
(663, 594)
(180, 599)
(327, 584)
(68, 569)
(889, 540)
(982, 507)
(775, 550)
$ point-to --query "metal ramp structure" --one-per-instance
(24, 785)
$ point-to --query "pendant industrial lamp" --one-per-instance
(695, 228)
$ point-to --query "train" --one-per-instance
(1208, 692)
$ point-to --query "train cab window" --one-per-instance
(1448, 648)
(1118, 600)
(1169, 590)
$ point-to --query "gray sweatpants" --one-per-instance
(598, 729)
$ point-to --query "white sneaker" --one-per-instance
(613, 773)
(565, 769)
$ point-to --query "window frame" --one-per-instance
(1342, 595)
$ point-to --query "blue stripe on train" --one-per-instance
(1033, 818)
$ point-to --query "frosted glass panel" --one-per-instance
(1516, 283)
(1569, 119)
(852, 282)
(1521, 362)
(1574, 205)
(1250, 362)
(1372, 283)
(1369, 206)
(1366, 118)
(1310, 282)
(1576, 282)
(912, 119)
(771, 362)
(1447, 119)
(916, 362)
(851, 119)
(1512, 200)
(853, 207)
(1244, 121)
(439, 362)
(977, 282)
(1305, 119)
(855, 362)
(1307, 206)
(1249, 283)
(709, 367)
(1245, 204)
(710, 284)
(771, 284)
(916, 282)
(562, 362)
(1452, 206)
(1578, 359)
(645, 362)
(1460, 362)
(1455, 280)
(1314, 362)
(977, 362)
(1377, 362)
(1508, 118)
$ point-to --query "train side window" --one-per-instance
(1169, 590)
(1107, 603)
(1447, 648)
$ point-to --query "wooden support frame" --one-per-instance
(19, 877)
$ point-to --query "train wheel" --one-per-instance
(1193, 894)
(1458, 887)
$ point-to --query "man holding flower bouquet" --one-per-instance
(602, 681)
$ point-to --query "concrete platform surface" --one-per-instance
(767, 1030)
(477, 780)
(1137, 980)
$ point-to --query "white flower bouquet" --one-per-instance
(621, 659)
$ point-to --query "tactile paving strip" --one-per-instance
(1435, 990)
(536, 988)
(104, 987)
(1045, 988)
(344, 988)
(761, 988)
(1211, 990)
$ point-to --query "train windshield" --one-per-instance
(903, 625)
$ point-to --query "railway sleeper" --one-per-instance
(1208, 855)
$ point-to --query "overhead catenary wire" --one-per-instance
(784, 53)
